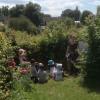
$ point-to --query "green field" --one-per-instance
(69, 89)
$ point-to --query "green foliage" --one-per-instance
(49, 47)
(50, 44)
(4, 46)
(65, 90)
(92, 69)
(59, 26)
(22, 24)
(5, 82)
(67, 13)
(32, 11)
(4, 11)
(16, 11)
(5, 74)
(84, 15)
(73, 14)
(43, 47)
(68, 22)
(2, 27)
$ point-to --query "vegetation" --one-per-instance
(85, 14)
(68, 89)
(74, 14)
(22, 24)
(93, 59)
(5, 74)
(20, 27)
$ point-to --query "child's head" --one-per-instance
(41, 66)
(51, 63)
(36, 65)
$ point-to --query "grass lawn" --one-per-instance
(69, 89)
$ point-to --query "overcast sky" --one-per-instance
(55, 7)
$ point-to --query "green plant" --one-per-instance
(5, 73)
(2, 27)
(23, 24)
(92, 68)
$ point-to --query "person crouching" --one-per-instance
(42, 74)
(34, 71)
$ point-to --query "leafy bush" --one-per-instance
(23, 24)
(2, 27)
(43, 47)
(5, 74)
(50, 44)
(92, 69)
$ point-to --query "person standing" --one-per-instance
(72, 53)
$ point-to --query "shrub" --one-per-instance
(68, 22)
(92, 69)
(2, 27)
(23, 24)
(43, 47)
(5, 74)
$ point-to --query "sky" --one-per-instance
(55, 7)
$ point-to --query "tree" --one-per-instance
(68, 13)
(98, 11)
(5, 11)
(77, 14)
(92, 70)
(23, 24)
(84, 15)
(17, 11)
(32, 11)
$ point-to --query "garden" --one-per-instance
(21, 32)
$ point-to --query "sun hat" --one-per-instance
(50, 62)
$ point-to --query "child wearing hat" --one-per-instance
(52, 68)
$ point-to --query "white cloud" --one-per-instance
(55, 7)
(11, 3)
(96, 2)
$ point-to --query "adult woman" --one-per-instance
(72, 53)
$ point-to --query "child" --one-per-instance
(52, 68)
(42, 74)
(34, 70)
(72, 54)
(59, 72)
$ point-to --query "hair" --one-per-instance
(72, 34)
(33, 60)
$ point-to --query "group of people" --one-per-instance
(41, 75)
(54, 70)
(38, 72)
